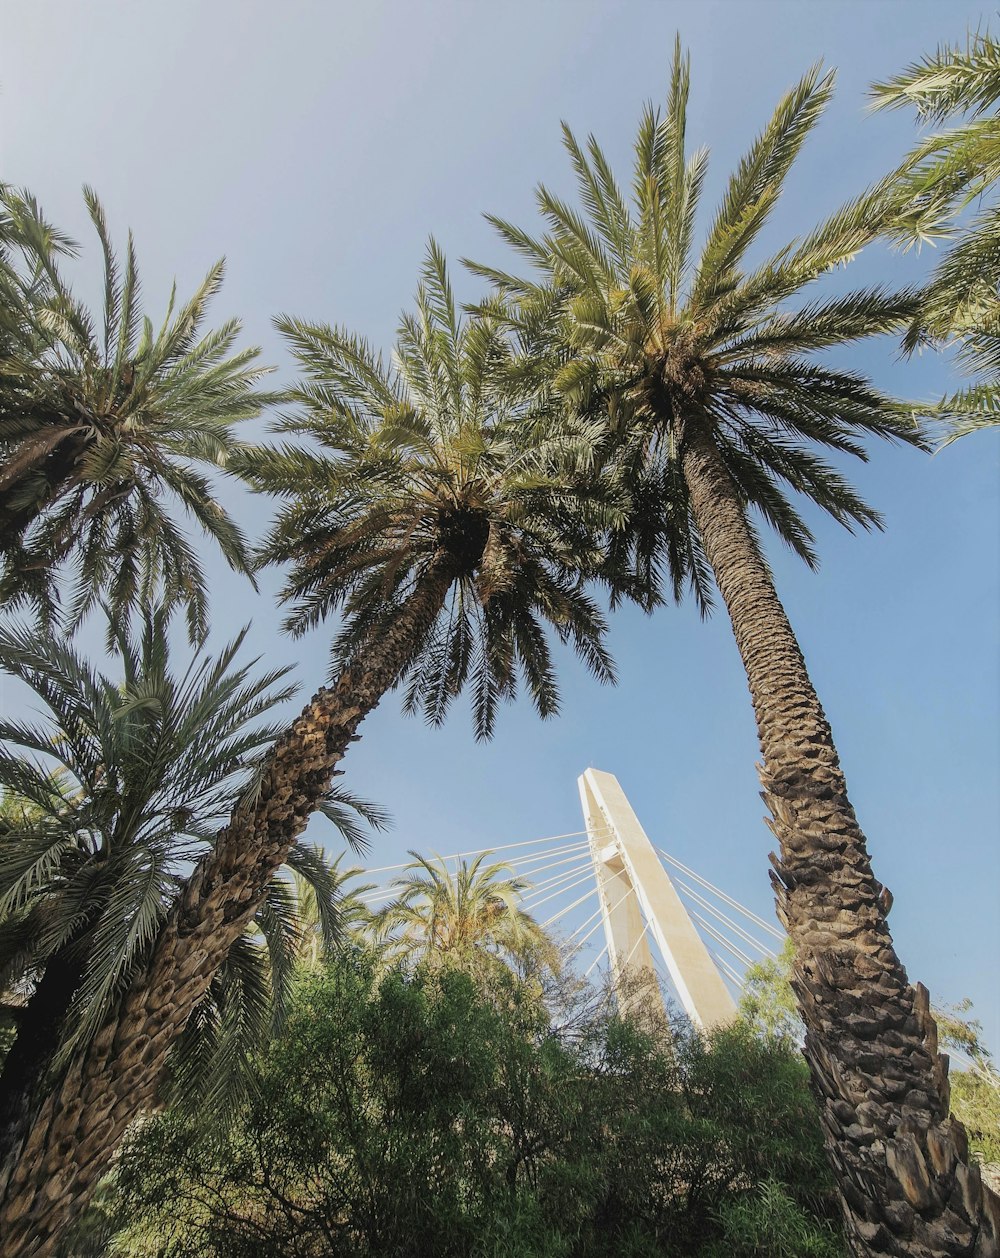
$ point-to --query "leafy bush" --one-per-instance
(422, 1114)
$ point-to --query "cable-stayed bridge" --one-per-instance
(618, 900)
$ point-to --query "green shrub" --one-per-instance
(404, 1114)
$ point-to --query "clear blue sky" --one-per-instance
(318, 144)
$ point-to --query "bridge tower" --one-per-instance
(639, 903)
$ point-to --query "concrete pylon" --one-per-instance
(639, 902)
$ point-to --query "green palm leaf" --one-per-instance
(470, 915)
(658, 339)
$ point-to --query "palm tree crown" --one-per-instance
(661, 340)
(466, 915)
(102, 425)
(433, 468)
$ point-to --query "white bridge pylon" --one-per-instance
(638, 901)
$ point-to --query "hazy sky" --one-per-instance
(317, 145)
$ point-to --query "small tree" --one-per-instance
(768, 1001)
(975, 1089)
(471, 916)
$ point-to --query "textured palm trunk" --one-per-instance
(907, 1184)
(49, 1172)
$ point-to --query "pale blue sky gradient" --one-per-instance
(317, 145)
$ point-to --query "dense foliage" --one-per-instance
(421, 1113)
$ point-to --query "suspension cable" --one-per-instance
(642, 936)
(771, 930)
(593, 930)
(479, 851)
(588, 873)
(570, 907)
(722, 917)
(535, 887)
(621, 900)
(726, 968)
(517, 861)
(593, 963)
(727, 944)
(584, 925)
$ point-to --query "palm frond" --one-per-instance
(942, 176)
(622, 329)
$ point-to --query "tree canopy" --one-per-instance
(472, 916)
(437, 455)
(637, 327)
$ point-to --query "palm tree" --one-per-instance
(942, 176)
(471, 916)
(100, 824)
(714, 406)
(102, 429)
(433, 518)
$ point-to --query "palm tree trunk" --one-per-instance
(54, 454)
(48, 1173)
(33, 453)
(39, 1028)
(907, 1184)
